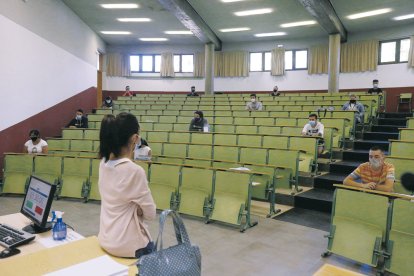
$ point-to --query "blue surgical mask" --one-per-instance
(312, 123)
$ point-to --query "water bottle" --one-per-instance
(59, 229)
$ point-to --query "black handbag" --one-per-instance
(182, 259)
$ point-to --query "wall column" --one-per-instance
(209, 68)
(334, 62)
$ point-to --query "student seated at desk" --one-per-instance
(374, 175)
(126, 199)
(316, 129)
(79, 121)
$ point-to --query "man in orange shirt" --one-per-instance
(374, 175)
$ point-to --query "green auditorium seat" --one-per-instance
(188, 112)
(253, 155)
(17, 170)
(277, 114)
(224, 128)
(225, 139)
(48, 168)
(200, 151)
(96, 144)
(401, 166)
(227, 113)
(274, 107)
(226, 153)
(402, 148)
(167, 119)
(72, 133)
(103, 111)
(249, 140)
(81, 145)
(156, 147)
(164, 182)
(286, 122)
(279, 142)
(244, 129)
(93, 187)
(92, 134)
(149, 118)
(146, 126)
(244, 120)
(180, 137)
(183, 119)
(59, 144)
(288, 159)
(232, 198)
(406, 134)
(223, 119)
(264, 121)
(358, 225)
(401, 239)
(310, 146)
(155, 113)
(157, 136)
(181, 126)
(75, 177)
(175, 150)
(163, 126)
(269, 130)
(242, 113)
(201, 138)
(195, 192)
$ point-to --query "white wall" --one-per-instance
(394, 75)
(42, 65)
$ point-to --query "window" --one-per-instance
(296, 60)
(394, 51)
(260, 61)
(183, 63)
(145, 63)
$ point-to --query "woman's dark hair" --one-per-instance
(34, 133)
(200, 113)
(144, 142)
(115, 133)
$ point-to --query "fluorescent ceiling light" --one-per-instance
(234, 30)
(153, 39)
(296, 24)
(231, 1)
(119, 6)
(403, 17)
(179, 32)
(270, 34)
(138, 19)
(116, 32)
(253, 12)
(368, 13)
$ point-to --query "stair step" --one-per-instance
(344, 167)
(367, 144)
(383, 136)
(392, 121)
(325, 182)
(385, 128)
(395, 115)
(315, 199)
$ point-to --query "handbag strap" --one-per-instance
(179, 228)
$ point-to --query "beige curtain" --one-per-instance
(231, 64)
(278, 62)
(117, 65)
(199, 64)
(319, 59)
(167, 65)
(359, 56)
(411, 53)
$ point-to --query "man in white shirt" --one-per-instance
(254, 105)
(315, 128)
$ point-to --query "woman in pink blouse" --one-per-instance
(126, 197)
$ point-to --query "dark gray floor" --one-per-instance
(271, 248)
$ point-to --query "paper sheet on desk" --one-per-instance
(49, 242)
(102, 266)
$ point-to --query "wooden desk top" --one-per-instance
(37, 260)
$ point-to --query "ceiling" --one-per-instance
(219, 15)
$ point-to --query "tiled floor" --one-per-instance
(271, 248)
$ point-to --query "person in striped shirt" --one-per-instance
(374, 175)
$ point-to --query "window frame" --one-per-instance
(141, 63)
(294, 59)
(263, 54)
(181, 63)
(397, 51)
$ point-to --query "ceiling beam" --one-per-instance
(324, 13)
(192, 20)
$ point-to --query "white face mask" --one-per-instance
(375, 85)
(253, 100)
(108, 101)
(312, 123)
(78, 117)
(375, 163)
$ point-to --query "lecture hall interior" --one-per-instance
(263, 188)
